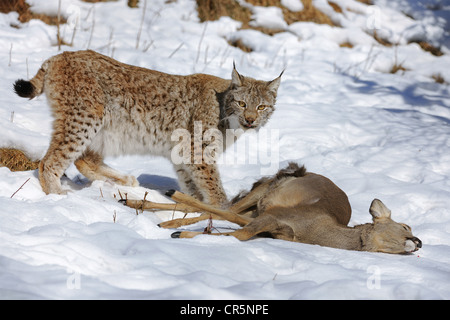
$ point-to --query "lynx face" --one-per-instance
(251, 102)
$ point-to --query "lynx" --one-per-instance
(103, 107)
(300, 206)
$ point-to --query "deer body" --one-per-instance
(299, 206)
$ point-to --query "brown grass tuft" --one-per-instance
(16, 160)
(209, 10)
(396, 67)
(429, 48)
(346, 44)
(241, 45)
(25, 14)
(309, 13)
(438, 78)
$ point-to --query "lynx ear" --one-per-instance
(236, 79)
(275, 83)
(378, 210)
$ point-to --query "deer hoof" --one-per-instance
(170, 193)
(176, 235)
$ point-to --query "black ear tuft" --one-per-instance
(24, 89)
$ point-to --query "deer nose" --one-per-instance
(417, 242)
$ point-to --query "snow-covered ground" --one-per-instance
(340, 112)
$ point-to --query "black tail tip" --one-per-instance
(24, 88)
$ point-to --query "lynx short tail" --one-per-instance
(32, 88)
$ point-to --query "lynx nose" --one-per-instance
(249, 121)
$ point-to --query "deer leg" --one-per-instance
(241, 234)
(203, 207)
(171, 224)
(258, 225)
(176, 223)
(150, 205)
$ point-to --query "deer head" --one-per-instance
(386, 235)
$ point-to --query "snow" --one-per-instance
(339, 111)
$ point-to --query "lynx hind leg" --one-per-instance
(66, 145)
(91, 165)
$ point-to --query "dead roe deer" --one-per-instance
(299, 206)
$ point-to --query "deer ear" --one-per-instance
(236, 78)
(275, 83)
(378, 210)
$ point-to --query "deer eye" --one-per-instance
(262, 107)
(242, 104)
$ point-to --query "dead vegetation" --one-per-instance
(25, 14)
(438, 78)
(16, 160)
(210, 10)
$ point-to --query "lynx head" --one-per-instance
(250, 103)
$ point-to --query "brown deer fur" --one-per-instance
(300, 206)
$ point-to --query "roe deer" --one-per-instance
(300, 206)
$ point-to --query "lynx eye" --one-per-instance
(262, 107)
(242, 104)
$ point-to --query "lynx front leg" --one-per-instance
(186, 183)
(207, 180)
(202, 181)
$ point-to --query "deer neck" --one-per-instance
(349, 238)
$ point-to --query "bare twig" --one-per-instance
(19, 188)
(92, 29)
(175, 51)
(142, 23)
(209, 227)
(200, 42)
(58, 33)
(10, 55)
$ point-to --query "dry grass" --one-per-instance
(396, 67)
(346, 45)
(25, 14)
(309, 13)
(209, 10)
(438, 78)
(429, 48)
(16, 160)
